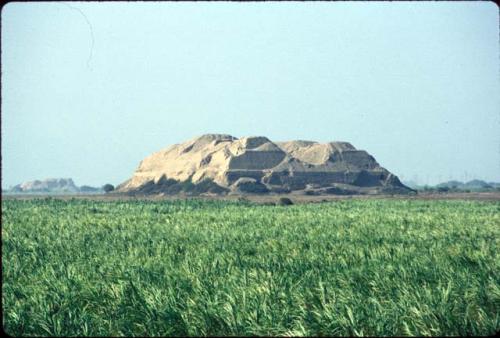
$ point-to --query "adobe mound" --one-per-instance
(50, 185)
(53, 186)
(219, 164)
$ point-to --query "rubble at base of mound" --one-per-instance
(222, 164)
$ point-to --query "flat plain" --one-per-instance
(129, 267)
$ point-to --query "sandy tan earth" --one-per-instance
(479, 196)
(256, 164)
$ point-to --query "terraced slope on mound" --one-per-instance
(219, 163)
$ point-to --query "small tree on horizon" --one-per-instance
(108, 188)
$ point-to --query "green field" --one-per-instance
(352, 267)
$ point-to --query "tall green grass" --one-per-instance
(357, 267)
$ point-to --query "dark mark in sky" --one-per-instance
(91, 31)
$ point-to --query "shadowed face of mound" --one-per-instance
(262, 164)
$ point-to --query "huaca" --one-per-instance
(223, 164)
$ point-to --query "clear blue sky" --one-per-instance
(90, 89)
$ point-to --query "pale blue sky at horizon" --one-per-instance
(90, 89)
